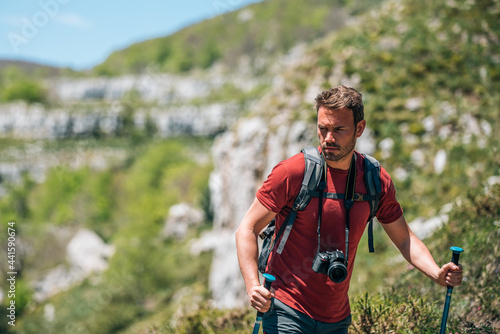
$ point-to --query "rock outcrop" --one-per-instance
(23, 121)
(86, 253)
(181, 218)
(242, 160)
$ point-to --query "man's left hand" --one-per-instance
(450, 274)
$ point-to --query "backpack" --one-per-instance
(314, 168)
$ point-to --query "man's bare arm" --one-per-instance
(416, 253)
(256, 218)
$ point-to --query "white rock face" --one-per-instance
(182, 217)
(429, 124)
(242, 160)
(57, 280)
(418, 157)
(440, 161)
(228, 289)
(203, 120)
(23, 121)
(32, 160)
(238, 164)
(20, 120)
(163, 87)
(366, 143)
(424, 228)
(386, 146)
(94, 105)
(413, 103)
(152, 87)
(87, 254)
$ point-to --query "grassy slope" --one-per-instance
(444, 57)
(474, 226)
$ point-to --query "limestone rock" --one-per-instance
(424, 228)
(242, 160)
(181, 218)
(87, 254)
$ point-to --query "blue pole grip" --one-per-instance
(268, 280)
(454, 258)
(456, 254)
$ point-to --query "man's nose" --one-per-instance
(329, 137)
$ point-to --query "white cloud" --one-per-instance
(74, 20)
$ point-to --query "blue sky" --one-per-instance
(82, 33)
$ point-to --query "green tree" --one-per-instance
(26, 90)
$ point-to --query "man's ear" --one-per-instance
(360, 128)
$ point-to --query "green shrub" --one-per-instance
(209, 320)
(394, 314)
(26, 90)
(56, 200)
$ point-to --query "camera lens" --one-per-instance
(337, 272)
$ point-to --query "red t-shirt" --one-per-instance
(297, 285)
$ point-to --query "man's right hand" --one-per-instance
(260, 298)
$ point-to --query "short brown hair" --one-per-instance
(342, 97)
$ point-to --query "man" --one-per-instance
(306, 301)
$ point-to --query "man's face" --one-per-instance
(337, 135)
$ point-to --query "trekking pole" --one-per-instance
(268, 280)
(454, 258)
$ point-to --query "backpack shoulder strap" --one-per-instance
(374, 188)
(314, 163)
(313, 171)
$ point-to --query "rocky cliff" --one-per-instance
(23, 121)
(243, 158)
(175, 104)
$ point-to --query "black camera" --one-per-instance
(332, 264)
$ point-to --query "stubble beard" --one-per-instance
(342, 153)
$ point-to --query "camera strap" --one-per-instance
(321, 188)
(348, 202)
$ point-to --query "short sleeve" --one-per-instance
(389, 209)
(282, 184)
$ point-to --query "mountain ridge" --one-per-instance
(224, 39)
